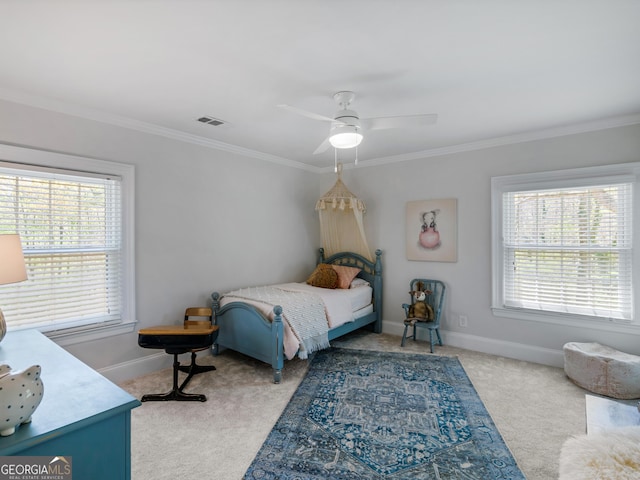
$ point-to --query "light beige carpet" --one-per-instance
(535, 407)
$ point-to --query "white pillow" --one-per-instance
(358, 282)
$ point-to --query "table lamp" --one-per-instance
(12, 268)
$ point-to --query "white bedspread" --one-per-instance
(337, 303)
(338, 309)
(303, 311)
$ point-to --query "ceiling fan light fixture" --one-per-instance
(345, 136)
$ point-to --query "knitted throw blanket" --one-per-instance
(303, 311)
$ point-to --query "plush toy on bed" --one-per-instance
(420, 309)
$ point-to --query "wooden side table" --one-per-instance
(175, 340)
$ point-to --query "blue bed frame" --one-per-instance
(244, 329)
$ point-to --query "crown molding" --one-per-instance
(532, 136)
(125, 122)
(129, 123)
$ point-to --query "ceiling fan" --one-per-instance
(347, 128)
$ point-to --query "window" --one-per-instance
(563, 245)
(76, 230)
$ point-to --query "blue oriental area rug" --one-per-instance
(372, 415)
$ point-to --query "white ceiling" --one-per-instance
(495, 71)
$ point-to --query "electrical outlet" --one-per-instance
(463, 320)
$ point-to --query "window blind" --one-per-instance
(569, 250)
(70, 227)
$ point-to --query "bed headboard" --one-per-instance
(369, 271)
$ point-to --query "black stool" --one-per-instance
(175, 340)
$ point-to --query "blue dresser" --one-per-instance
(82, 414)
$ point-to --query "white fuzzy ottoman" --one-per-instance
(603, 370)
(608, 455)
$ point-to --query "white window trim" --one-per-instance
(559, 179)
(44, 158)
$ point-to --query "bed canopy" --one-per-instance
(341, 220)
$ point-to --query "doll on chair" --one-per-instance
(420, 310)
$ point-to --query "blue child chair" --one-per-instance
(434, 291)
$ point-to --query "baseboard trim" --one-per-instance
(124, 371)
(152, 363)
(518, 351)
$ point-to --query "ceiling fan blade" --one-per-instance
(323, 147)
(399, 121)
(304, 113)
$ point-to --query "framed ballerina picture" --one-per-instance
(431, 234)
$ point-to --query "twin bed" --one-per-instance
(275, 322)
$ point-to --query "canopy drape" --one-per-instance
(341, 221)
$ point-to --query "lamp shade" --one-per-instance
(12, 268)
(345, 136)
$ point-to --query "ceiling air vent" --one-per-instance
(211, 121)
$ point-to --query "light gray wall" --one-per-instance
(467, 177)
(209, 220)
(205, 220)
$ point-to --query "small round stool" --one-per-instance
(602, 369)
(175, 340)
